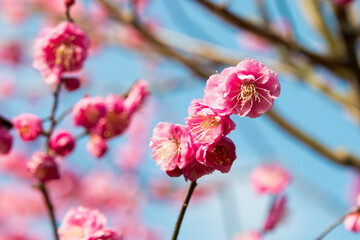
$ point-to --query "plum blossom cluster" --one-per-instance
(200, 147)
(106, 118)
(269, 179)
(86, 224)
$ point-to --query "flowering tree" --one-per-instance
(225, 146)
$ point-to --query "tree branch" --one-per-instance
(342, 158)
(326, 61)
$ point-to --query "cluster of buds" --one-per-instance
(107, 118)
(201, 147)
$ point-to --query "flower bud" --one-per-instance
(43, 167)
(71, 83)
(69, 3)
(352, 221)
(97, 146)
(5, 141)
(62, 142)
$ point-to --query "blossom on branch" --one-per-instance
(205, 125)
(59, 50)
(219, 155)
(85, 224)
(62, 142)
(29, 126)
(172, 146)
(352, 221)
(43, 167)
(270, 178)
(249, 89)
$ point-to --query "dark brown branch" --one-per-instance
(341, 158)
(50, 208)
(271, 36)
(348, 35)
(183, 209)
(5, 123)
(122, 18)
(334, 225)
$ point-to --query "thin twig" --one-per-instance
(150, 38)
(183, 209)
(52, 115)
(349, 38)
(50, 208)
(334, 225)
(48, 134)
(63, 115)
(81, 135)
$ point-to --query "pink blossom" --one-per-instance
(29, 126)
(116, 119)
(249, 89)
(60, 49)
(106, 234)
(140, 5)
(5, 141)
(248, 236)
(14, 163)
(88, 111)
(137, 96)
(7, 87)
(62, 142)
(276, 214)
(270, 178)
(172, 146)
(13, 11)
(352, 221)
(105, 189)
(252, 41)
(343, 3)
(195, 170)
(130, 155)
(130, 37)
(71, 83)
(205, 125)
(43, 167)
(219, 155)
(214, 92)
(80, 223)
(20, 200)
(11, 53)
(67, 187)
(97, 146)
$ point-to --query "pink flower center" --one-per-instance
(73, 233)
(202, 125)
(221, 154)
(167, 150)
(92, 114)
(24, 130)
(64, 55)
(248, 91)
